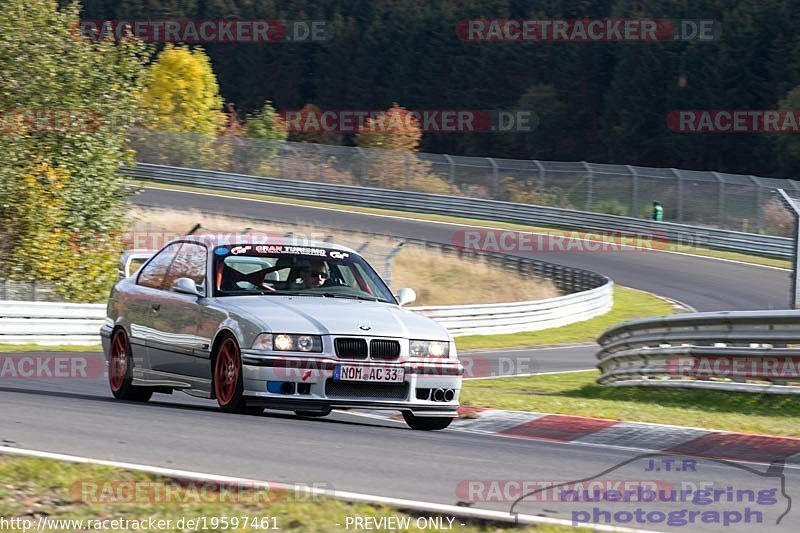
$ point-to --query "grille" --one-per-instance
(350, 348)
(365, 391)
(383, 349)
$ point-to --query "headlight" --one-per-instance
(433, 349)
(284, 342)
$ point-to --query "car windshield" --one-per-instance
(295, 270)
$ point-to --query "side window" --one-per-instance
(190, 262)
(154, 273)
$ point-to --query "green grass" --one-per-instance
(628, 304)
(58, 490)
(9, 348)
(704, 252)
(578, 394)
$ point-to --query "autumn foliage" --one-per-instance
(393, 138)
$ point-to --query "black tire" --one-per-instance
(227, 381)
(314, 414)
(426, 423)
(120, 370)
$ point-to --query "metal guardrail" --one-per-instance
(79, 324)
(28, 290)
(469, 208)
(522, 316)
(700, 198)
(47, 323)
(588, 295)
(736, 350)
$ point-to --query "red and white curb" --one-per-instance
(631, 435)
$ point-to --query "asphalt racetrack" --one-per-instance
(346, 451)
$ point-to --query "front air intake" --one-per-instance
(350, 348)
(385, 350)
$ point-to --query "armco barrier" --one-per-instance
(468, 207)
(47, 323)
(736, 350)
(522, 316)
(55, 324)
(589, 295)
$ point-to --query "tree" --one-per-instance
(392, 139)
(182, 94)
(267, 124)
(788, 146)
(68, 103)
(395, 129)
(306, 125)
(266, 131)
(548, 114)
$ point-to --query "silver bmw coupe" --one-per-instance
(257, 323)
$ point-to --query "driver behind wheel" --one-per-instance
(314, 275)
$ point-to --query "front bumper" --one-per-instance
(105, 338)
(314, 389)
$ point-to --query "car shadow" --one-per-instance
(211, 408)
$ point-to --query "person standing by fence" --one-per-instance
(658, 212)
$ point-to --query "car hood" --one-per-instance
(333, 316)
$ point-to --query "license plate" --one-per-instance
(374, 374)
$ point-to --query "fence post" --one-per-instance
(280, 159)
(793, 207)
(198, 159)
(759, 200)
(634, 191)
(35, 291)
(680, 194)
(6, 289)
(318, 150)
(720, 198)
(540, 166)
(408, 169)
(495, 170)
(452, 165)
(387, 269)
(363, 165)
(589, 186)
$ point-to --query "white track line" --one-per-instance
(459, 224)
(527, 348)
(531, 375)
(353, 497)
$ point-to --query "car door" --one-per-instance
(142, 299)
(174, 342)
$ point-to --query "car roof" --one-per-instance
(213, 240)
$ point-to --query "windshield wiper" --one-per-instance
(350, 297)
(296, 293)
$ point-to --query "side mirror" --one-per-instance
(186, 286)
(406, 296)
